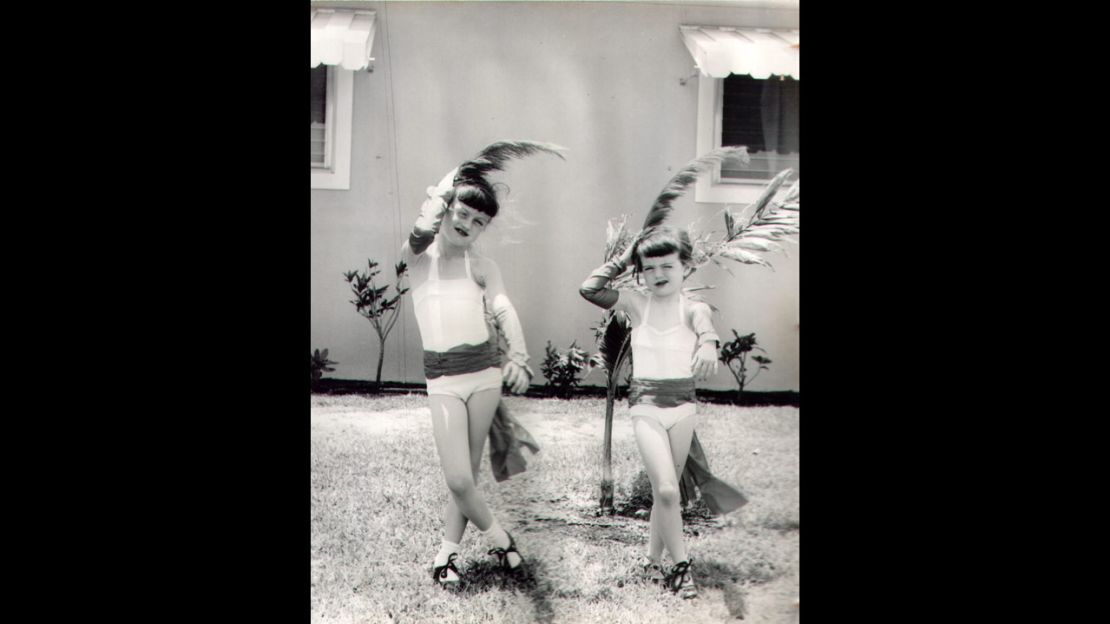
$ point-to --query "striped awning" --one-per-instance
(342, 37)
(720, 50)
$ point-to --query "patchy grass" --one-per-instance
(378, 496)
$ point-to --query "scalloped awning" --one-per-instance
(342, 37)
(720, 50)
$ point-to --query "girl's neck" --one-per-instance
(667, 299)
(447, 251)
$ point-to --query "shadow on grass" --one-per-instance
(638, 504)
(714, 575)
(529, 579)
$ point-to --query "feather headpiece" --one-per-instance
(495, 155)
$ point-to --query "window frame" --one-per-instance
(710, 188)
(336, 174)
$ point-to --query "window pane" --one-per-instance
(319, 93)
(318, 100)
(762, 115)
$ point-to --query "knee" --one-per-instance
(460, 483)
(666, 494)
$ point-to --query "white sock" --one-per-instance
(445, 551)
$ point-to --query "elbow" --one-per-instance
(591, 294)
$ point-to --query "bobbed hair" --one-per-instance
(660, 241)
(475, 192)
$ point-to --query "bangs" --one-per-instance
(665, 240)
(478, 198)
(654, 247)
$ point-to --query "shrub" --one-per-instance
(320, 364)
(562, 369)
(372, 302)
(734, 355)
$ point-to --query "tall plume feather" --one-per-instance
(495, 155)
(685, 177)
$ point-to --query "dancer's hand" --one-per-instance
(515, 377)
(625, 258)
(445, 186)
(705, 361)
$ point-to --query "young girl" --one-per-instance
(452, 289)
(673, 343)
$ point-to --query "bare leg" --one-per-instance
(479, 418)
(451, 427)
(655, 450)
(680, 436)
(482, 407)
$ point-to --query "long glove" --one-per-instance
(431, 214)
(703, 327)
(509, 324)
(594, 288)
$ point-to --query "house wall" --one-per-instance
(602, 80)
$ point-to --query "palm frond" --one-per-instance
(612, 342)
(617, 237)
(764, 200)
(755, 243)
(686, 176)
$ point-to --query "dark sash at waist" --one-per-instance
(461, 360)
(661, 392)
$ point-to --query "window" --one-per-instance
(761, 115)
(330, 126)
(342, 40)
(748, 94)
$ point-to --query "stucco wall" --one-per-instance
(601, 79)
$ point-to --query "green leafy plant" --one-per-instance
(562, 369)
(734, 355)
(613, 350)
(372, 302)
(320, 364)
(748, 233)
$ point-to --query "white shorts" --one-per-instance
(667, 417)
(463, 386)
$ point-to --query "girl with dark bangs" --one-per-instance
(673, 344)
(452, 291)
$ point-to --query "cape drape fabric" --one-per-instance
(720, 497)
(507, 437)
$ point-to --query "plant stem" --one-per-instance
(607, 446)
(381, 358)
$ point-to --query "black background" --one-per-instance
(179, 348)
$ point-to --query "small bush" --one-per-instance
(320, 364)
(734, 355)
(562, 369)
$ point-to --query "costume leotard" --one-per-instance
(662, 376)
(460, 355)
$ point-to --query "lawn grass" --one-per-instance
(378, 496)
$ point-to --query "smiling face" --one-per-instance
(662, 274)
(462, 224)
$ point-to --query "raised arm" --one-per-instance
(427, 224)
(595, 289)
(516, 372)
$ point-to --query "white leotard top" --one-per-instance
(663, 354)
(449, 312)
